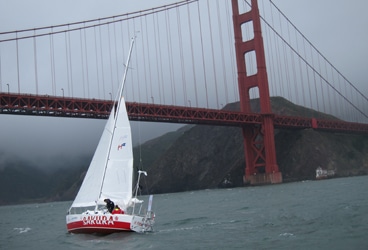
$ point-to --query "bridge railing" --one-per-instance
(58, 106)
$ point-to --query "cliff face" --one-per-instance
(201, 158)
(204, 156)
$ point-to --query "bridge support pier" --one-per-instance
(259, 140)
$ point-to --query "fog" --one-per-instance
(338, 28)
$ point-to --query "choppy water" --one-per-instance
(328, 214)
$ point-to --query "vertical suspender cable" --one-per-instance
(144, 61)
(314, 79)
(82, 60)
(67, 60)
(213, 53)
(138, 82)
(110, 59)
(231, 52)
(70, 65)
(192, 56)
(96, 58)
(116, 52)
(222, 54)
(161, 74)
(18, 77)
(156, 42)
(149, 61)
(102, 64)
(181, 57)
(170, 55)
(52, 62)
(86, 55)
(35, 61)
(202, 49)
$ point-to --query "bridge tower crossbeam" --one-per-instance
(259, 142)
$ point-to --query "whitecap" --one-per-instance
(286, 235)
(22, 229)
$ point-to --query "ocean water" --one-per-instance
(327, 214)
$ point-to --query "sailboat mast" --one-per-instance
(125, 74)
(120, 96)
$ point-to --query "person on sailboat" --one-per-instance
(109, 205)
(117, 210)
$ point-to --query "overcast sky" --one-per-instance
(338, 28)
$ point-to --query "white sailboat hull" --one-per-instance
(106, 223)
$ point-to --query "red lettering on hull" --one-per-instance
(103, 224)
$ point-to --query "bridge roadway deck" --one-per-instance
(27, 104)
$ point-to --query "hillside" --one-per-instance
(204, 156)
(200, 157)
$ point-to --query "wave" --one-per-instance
(22, 229)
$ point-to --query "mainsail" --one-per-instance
(110, 174)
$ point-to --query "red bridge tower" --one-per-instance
(259, 142)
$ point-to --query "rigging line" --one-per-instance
(351, 84)
(150, 11)
(202, 49)
(213, 53)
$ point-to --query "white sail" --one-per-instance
(110, 174)
(118, 180)
(90, 189)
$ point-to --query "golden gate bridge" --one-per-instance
(185, 70)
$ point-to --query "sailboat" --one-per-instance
(109, 179)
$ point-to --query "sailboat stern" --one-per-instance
(142, 224)
(102, 223)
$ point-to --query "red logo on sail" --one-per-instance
(120, 146)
